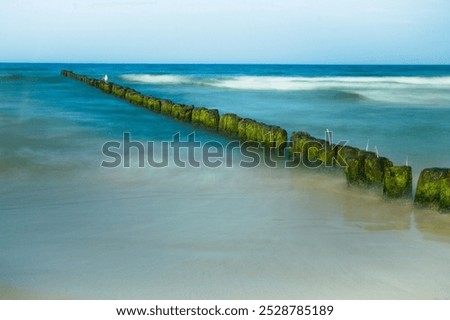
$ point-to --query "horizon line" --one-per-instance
(232, 63)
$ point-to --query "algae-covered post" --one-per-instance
(166, 106)
(229, 124)
(208, 118)
(375, 168)
(398, 182)
(134, 97)
(321, 152)
(277, 137)
(433, 188)
(118, 90)
(105, 86)
(182, 112)
(152, 104)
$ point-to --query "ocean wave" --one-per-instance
(157, 79)
(395, 89)
(291, 83)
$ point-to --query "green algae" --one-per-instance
(433, 188)
(182, 112)
(229, 124)
(166, 106)
(207, 118)
(398, 182)
(134, 97)
(374, 168)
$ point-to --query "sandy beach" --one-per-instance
(233, 234)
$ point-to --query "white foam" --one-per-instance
(156, 79)
(315, 83)
(403, 89)
(291, 83)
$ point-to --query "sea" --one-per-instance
(70, 228)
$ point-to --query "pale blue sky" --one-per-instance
(226, 31)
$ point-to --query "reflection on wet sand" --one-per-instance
(363, 209)
(434, 225)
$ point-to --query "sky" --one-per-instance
(226, 31)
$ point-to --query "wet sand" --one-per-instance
(220, 234)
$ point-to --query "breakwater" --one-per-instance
(361, 168)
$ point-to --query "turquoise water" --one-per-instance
(70, 228)
(403, 110)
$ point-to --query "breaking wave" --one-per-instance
(410, 89)
(157, 79)
(290, 83)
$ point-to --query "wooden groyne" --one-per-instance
(361, 168)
